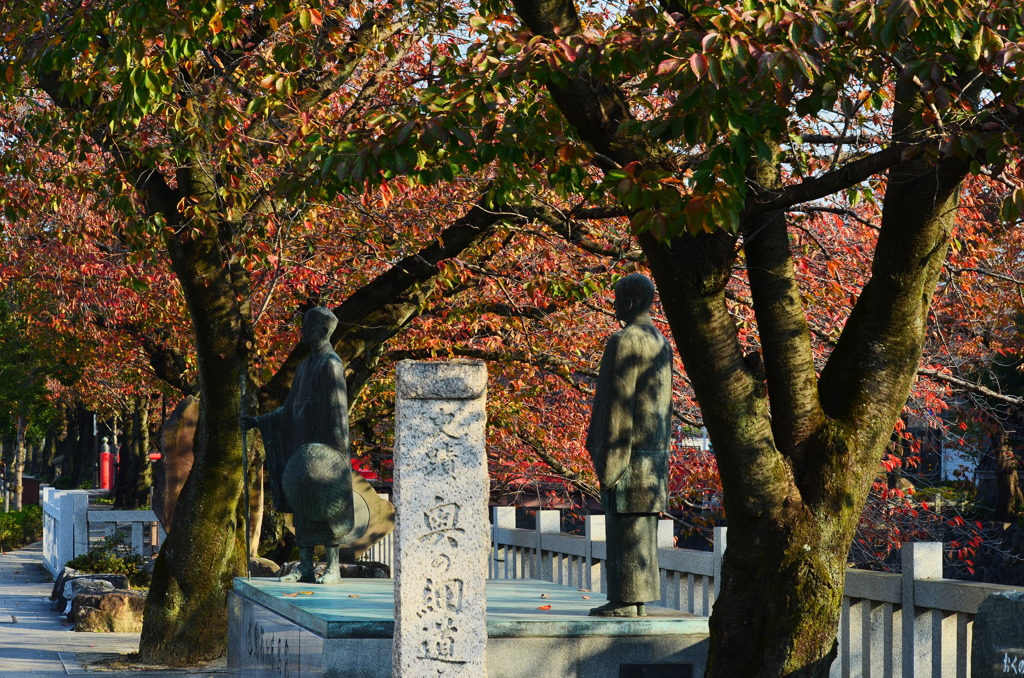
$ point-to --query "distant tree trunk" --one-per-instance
(4, 476)
(66, 443)
(39, 456)
(81, 462)
(31, 456)
(135, 475)
(49, 451)
(19, 462)
(140, 453)
(1009, 497)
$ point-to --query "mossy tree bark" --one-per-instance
(796, 450)
(186, 610)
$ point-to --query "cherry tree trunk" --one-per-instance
(185, 619)
(18, 469)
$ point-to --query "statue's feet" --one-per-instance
(329, 578)
(297, 575)
(616, 608)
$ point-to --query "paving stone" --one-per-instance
(39, 643)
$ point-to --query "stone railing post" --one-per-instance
(441, 545)
(51, 522)
(920, 561)
(597, 551)
(666, 534)
(720, 542)
(548, 522)
(70, 530)
(502, 518)
(79, 503)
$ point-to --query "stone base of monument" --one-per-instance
(287, 629)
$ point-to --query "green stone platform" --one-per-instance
(346, 630)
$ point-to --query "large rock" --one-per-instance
(113, 612)
(173, 468)
(264, 567)
(88, 583)
(365, 569)
(62, 578)
(319, 568)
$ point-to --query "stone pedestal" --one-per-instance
(998, 644)
(442, 539)
(535, 629)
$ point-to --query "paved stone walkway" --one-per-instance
(34, 640)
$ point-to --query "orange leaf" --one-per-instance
(544, 607)
(586, 597)
(352, 595)
(290, 595)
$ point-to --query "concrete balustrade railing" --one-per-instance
(64, 534)
(70, 527)
(910, 625)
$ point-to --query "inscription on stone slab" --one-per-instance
(998, 644)
(656, 671)
(441, 537)
(262, 644)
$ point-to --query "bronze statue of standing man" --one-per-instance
(308, 458)
(628, 440)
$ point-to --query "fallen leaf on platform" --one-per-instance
(352, 595)
(305, 593)
(588, 590)
(544, 607)
(290, 595)
(586, 597)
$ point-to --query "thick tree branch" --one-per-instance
(831, 182)
(869, 373)
(782, 326)
(397, 288)
(167, 362)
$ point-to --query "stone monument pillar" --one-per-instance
(442, 538)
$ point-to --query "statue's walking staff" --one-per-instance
(242, 379)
